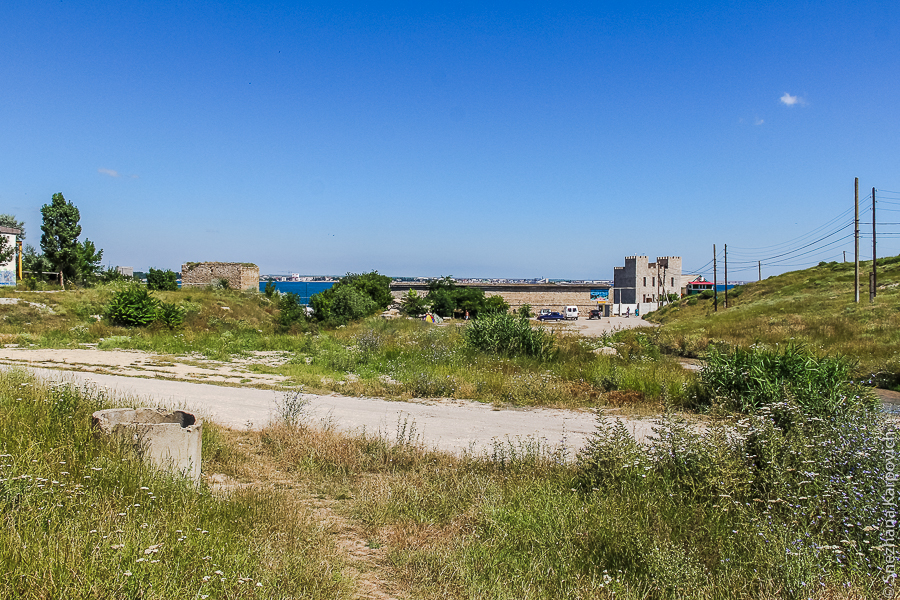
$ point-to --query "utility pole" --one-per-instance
(874, 270)
(856, 240)
(759, 265)
(726, 275)
(845, 256)
(715, 283)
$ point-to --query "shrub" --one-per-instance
(340, 305)
(290, 311)
(525, 311)
(413, 304)
(353, 297)
(171, 315)
(748, 378)
(157, 279)
(132, 306)
(269, 290)
(509, 335)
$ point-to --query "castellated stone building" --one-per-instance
(643, 282)
(240, 276)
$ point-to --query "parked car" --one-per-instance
(595, 314)
(545, 311)
(553, 316)
(572, 312)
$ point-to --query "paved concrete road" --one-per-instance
(450, 425)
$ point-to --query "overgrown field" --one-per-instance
(781, 503)
(814, 306)
(398, 358)
(784, 501)
(80, 518)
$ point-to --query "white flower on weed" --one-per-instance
(144, 487)
(122, 514)
(140, 560)
(205, 578)
(258, 584)
(217, 572)
(117, 546)
(127, 573)
(96, 468)
(92, 531)
(207, 558)
(144, 525)
(153, 549)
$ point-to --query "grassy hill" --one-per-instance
(814, 307)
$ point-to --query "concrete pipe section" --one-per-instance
(169, 440)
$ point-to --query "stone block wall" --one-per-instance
(537, 295)
(240, 276)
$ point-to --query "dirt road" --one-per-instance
(449, 425)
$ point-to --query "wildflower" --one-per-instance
(127, 573)
(153, 549)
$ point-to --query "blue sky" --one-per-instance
(479, 140)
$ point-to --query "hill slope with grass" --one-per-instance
(814, 307)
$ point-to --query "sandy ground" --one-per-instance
(135, 363)
(598, 327)
(449, 425)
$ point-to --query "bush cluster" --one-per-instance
(134, 306)
(781, 483)
(354, 297)
(509, 335)
(745, 379)
(157, 279)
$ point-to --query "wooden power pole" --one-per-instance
(726, 275)
(715, 283)
(856, 240)
(874, 270)
(759, 266)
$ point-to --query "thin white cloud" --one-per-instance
(759, 122)
(109, 172)
(135, 176)
(789, 100)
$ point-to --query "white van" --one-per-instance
(571, 312)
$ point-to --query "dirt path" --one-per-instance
(366, 562)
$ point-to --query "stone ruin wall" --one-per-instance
(240, 276)
(555, 301)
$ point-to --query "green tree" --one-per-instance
(413, 304)
(89, 259)
(59, 237)
(375, 286)
(158, 279)
(10, 221)
(7, 249)
(355, 296)
(34, 262)
(495, 304)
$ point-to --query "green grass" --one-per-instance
(83, 519)
(814, 306)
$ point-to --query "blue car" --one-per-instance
(554, 316)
